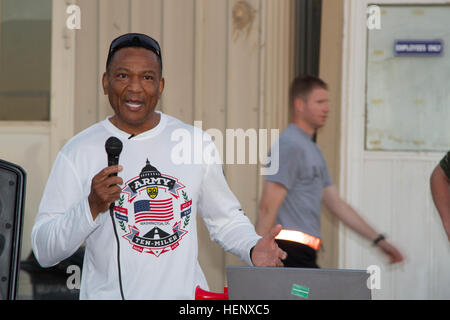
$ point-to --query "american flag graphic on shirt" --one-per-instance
(153, 210)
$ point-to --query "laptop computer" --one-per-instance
(261, 283)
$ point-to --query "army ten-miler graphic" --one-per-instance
(153, 210)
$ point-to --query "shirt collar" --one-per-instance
(299, 130)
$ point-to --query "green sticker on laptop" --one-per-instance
(300, 291)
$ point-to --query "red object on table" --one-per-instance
(201, 294)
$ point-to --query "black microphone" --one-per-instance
(113, 147)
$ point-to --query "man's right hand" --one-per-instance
(104, 190)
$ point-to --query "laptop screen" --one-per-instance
(260, 283)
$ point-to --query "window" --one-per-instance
(407, 99)
(25, 59)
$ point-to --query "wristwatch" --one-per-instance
(378, 239)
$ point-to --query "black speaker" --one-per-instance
(12, 198)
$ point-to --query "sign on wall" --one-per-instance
(419, 48)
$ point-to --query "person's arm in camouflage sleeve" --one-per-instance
(440, 190)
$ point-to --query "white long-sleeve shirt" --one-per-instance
(155, 217)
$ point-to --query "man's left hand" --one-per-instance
(392, 252)
(266, 252)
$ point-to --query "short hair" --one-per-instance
(303, 85)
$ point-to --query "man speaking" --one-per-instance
(138, 217)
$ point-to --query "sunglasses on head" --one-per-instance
(134, 40)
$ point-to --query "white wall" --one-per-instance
(389, 189)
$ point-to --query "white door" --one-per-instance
(394, 131)
(36, 96)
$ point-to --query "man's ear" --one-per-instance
(162, 82)
(105, 83)
(299, 105)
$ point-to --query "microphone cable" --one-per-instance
(111, 213)
(113, 147)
